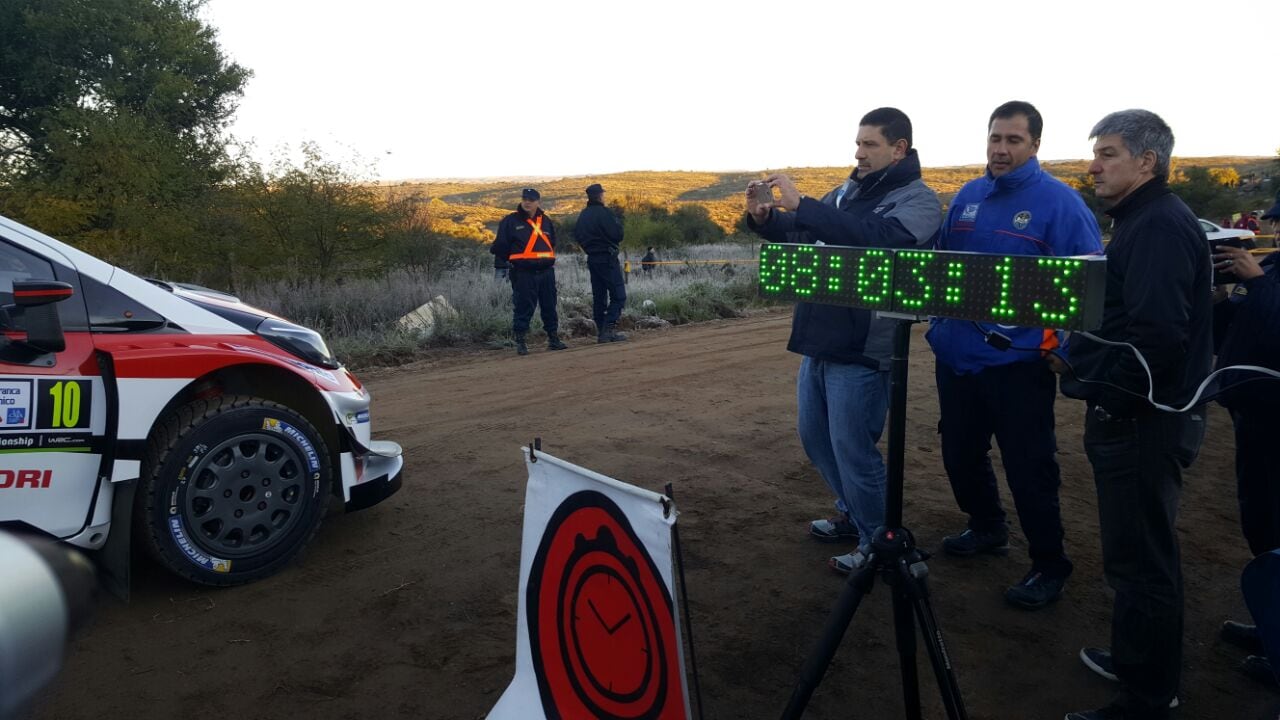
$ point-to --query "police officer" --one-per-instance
(599, 233)
(527, 239)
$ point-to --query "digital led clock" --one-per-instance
(1027, 290)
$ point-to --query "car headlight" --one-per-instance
(298, 341)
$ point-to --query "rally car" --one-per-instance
(212, 432)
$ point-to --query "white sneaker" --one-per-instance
(847, 563)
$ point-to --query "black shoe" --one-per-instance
(1242, 636)
(1115, 712)
(610, 334)
(521, 347)
(1259, 668)
(1110, 712)
(1035, 591)
(972, 542)
(553, 342)
(1099, 661)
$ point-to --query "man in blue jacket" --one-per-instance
(843, 384)
(1019, 209)
(599, 234)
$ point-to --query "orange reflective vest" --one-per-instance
(531, 251)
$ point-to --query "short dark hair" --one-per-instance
(893, 123)
(1035, 123)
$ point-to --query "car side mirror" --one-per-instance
(37, 298)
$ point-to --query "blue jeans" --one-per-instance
(841, 418)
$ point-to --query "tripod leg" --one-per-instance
(858, 585)
(913, 577)
(904, 628)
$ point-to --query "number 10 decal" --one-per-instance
(64, 404)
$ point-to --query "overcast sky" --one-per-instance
(485, 88)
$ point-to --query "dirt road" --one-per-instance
(408, 609)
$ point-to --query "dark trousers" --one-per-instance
(1257, 477)
(1015, 403)
(1137, 467)
(608, 290)
(530, 289)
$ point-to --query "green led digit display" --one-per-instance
(1029, 291)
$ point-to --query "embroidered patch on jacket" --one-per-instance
(1022, 220)
(970, 212)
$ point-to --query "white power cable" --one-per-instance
(1151, 384)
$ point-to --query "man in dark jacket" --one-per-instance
(1158, 301)
(1251, 315)
(984, 390)
(527, 239)
(599, 233)
(843, 384)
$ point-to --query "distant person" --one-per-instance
(648, 262)
(1252, 313)
(527, 240)
(599, 233)
(843, 384)
(1157, 302)
(1248, 221)
(1015, 208)
(1226, 222)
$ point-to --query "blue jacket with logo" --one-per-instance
(1025, 212)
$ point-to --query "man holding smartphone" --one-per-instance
(843, 383)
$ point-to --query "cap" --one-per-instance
(529, 194)
(594, 189)
(1274, 212)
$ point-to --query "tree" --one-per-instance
(66, 64)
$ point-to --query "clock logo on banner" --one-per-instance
(601, 620)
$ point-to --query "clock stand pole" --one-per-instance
(896, 559)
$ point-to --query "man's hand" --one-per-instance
(759, 201)
(1237, 261)
(1056, 364)
(789, 196)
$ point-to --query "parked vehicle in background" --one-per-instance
(214, 431)
(1216, 232)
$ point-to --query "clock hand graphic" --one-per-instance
(605, 625)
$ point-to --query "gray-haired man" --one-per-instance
(1158, 301)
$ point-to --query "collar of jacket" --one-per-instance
(524, 215)
(904, 171)
(592, 201)
(1024, 174)
(1148, 191)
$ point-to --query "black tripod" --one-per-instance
(895, 557)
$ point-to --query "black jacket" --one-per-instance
(1253, 338)
(888, 208)
(597, 230)
(513, 239)
(1158, 298)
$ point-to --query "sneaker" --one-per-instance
(1035, 591)
(847, 563)
(1259, 668)
(1099, 661)
(971, 542)
(1242, 636)
(836, 529)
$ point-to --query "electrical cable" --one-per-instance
(1003, 342)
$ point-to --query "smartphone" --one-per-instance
(1220, 277)
(763, 192)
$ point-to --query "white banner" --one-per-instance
(597, 633)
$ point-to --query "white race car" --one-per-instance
(216, 431)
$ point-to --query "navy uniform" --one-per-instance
(527, 239)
